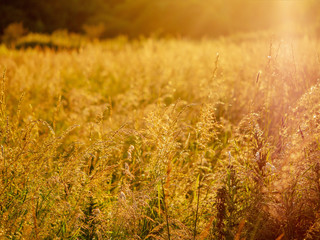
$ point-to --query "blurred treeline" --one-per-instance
(193, 18)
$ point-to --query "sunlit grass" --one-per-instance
(159, 139)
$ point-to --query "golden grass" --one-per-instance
(159, 139)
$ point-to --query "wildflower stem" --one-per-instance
(197, 210)
(165, 211)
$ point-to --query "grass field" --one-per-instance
(161, 139)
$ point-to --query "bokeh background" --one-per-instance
(191, 18)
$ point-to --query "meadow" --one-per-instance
(161, 139)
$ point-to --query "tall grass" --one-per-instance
(161, 139)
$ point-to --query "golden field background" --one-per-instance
(161, 139)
